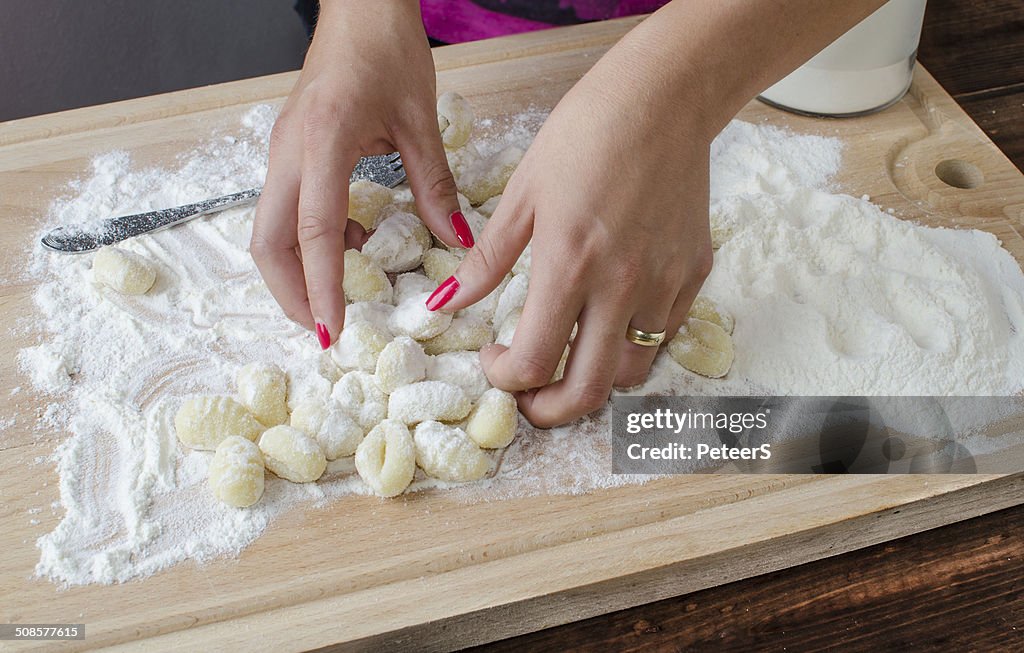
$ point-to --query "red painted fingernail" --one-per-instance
(443, 294)
(323, 335)
(462, 230)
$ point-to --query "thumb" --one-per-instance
(504, 238)
(433, 185)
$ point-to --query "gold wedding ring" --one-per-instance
(645, 338)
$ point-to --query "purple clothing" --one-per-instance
(455, 21)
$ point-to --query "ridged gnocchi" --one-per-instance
(400, 363)
(263, 389)
(358, 395)
(428, 400)
(454, 120)
(492, 422)
(398, 243)
(204, 422)
(292, 455)
(703, 348)
(466, 333)
(337, 433)
(386, 458)
(236, 474)
(366, 200)
(412, 318)
(126, 272)
(446, 453)
(364, 280)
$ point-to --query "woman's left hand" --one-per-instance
(614, 194)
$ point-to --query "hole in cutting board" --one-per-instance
(959, 173)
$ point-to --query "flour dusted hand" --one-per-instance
(126, 272)
(204, 422)
(236, 472)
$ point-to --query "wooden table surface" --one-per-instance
(955, 588)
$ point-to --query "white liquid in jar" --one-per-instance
(864, 70)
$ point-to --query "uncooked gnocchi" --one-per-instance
(489, 176)
(203, 422)
(446, 453)
(124, 271)
(412, 283)
(292, 455)
(400, 363)
(461, 368)
(703, 348)
(439, 264)
(236, 472)
(375, 313)
(487, 208)
(513, 297)
(492, 422)
(398, 243)
(454, 120)
(706, 309)
(386, 458)
(358, 395)
(465, 333)
(364, 280)
(507, 330)
(412, 318)
(366, 200)
(359, 345)
(263, 388)
(337, 433)
(428, 400)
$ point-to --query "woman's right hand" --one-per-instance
(367, 87)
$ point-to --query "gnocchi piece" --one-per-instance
(203, 422)
(124, 271)
(313, 387)
(446, 453)
(461, 368)
(487, 208)
(522, 265)
(703, 348)
(412, 283)
(236, 472)
(364, 280)
(359, 345)
(439, 264)
(398, 243)
(484, 309)
(513, 297)
(461, 160)
(263, 389)
(292, 455)
(466, 333)
(374, 313)
(400, 363)
(560, 368)
(366, 200)
(492, 422)
(386, 458)
(331, 427)
(412, 318)
(358, 395)
(428, 400)
(490, 175)
(507, 330)
(454, 120)
(705, 308)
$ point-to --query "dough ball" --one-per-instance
(375, 313)
(398, 243)
(332, 428)
(366, 199)
(400, 363)
(490, 175)
(236, 472)
(427, 400)
(705, 308)
(492, 422)
(461, 160)
(465, 333)
(412, 318)
(513, 297)
(358, 395)
(487, 208)
(454, 120)
(386, 458)
(412, 283)
(263, 389)
(446, 453)
(292, 455)
(124, 271)
(703, 348)
(439, 264)
(461, 368)
(359, 345)
(204, 422)
(364, 280)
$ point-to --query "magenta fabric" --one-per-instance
(456, 21)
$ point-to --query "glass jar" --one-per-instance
(865, 70)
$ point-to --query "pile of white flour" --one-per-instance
(830, 294)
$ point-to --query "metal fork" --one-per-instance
(384, 169)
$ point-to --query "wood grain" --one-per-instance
(428, 571)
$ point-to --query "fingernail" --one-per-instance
(443, 294)
(323, 335)
(462, 230)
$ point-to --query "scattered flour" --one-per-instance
(830, 295)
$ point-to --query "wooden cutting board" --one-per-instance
(425, 571)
